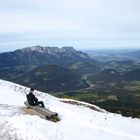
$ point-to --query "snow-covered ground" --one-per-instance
(77, 122)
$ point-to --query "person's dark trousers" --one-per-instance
(41, 103)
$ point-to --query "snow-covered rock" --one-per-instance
(77, 122)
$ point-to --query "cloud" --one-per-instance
(82, 20)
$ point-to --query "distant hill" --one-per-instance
(52, 78)
(134, 54)
(108, 75)
(83, 68)
(132, 75)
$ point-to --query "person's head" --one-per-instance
(32, 90)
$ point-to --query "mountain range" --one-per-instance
(54, 69)
(38, 55)
(46, 68)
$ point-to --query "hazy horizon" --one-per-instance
(83, 24)
(84, 50)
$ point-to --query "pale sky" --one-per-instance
(83, 24)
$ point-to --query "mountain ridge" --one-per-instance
(39, 55)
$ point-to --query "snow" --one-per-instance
(77, 122)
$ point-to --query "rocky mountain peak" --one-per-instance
(31, 49)
(48, 50)
(67, 49)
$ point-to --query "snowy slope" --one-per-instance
(77, 122)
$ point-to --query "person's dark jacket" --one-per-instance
(32, 100)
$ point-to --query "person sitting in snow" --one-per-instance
(32, 100)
